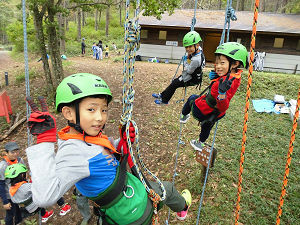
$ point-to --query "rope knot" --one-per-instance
(231, 14)
(155, 198)
(133, 35)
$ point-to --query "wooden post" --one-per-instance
(296, 67)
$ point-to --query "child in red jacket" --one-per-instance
(226, 79)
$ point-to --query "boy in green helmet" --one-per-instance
(86, 157)
(193, 64)
(226, 79)
(20, 191)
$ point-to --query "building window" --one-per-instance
(278, 42)
(298, 46)
(162, 35)
(239, 40)
(144, 33)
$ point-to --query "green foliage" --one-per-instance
(293, 6)
(15, 35)
(31, 222)
(20, 78)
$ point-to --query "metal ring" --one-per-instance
(124, 192)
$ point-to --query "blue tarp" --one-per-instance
(264, 105)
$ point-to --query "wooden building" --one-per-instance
(277, 34)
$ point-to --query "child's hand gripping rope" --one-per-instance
(41, 123)
(123, 146)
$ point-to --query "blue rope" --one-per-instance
(229, 15)
(27, 87)
(194, 18)
(206, 175)
(180, 142)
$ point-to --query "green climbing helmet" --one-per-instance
(191, 38)
(15, 170)
(235, 51)
(80, 85)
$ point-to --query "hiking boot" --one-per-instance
(197, 145)
(159, 102)
(184, 118)
(188, 200)
(154, 95)
(65, 209)
(47, 215)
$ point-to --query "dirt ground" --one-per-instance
(149, 78)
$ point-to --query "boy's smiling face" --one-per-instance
(93, 115)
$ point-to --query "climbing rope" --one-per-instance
(288, 161)
(229, 15)
(131, 45)
(27, 87)
(252, 47)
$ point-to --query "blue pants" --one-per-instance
(198, 115)
(13, 216)
(97, 56)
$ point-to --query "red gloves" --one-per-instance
(42, 124)
(123, 146)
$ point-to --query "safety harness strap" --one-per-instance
(115, 190)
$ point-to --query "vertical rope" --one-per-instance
(194, 18)
(27, 87)
(206, 175)
(252, 47)
(131, 45)
(288, 162)
(229, 15)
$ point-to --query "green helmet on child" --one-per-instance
(191, 38)
(235, 51)
(15, 170)
(78, 86)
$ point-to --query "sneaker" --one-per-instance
(184, 118)
(65, 209)
(188, 200)
(47, 215)
(159, 102)
(197, 145)
(154, 95)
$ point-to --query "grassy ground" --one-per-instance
(266, 148)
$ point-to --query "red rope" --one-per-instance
(252, 47)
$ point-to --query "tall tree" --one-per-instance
(78, 24)
(107, 20)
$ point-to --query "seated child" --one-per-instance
(193, 66)
(85, 156)
(20, 191)
(226, 79)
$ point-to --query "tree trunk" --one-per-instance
(83, 18)
(57, 68)
(96, 19)
(277, 6)
(242, 5)
(78, 24)
(262, 6)
(220, 4)
(237, 5)
(38, 24)
(100, 14)
(107, 20)
(284, 3)
(120, 14)
(61, 27)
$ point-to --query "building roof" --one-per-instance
(214, 19)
